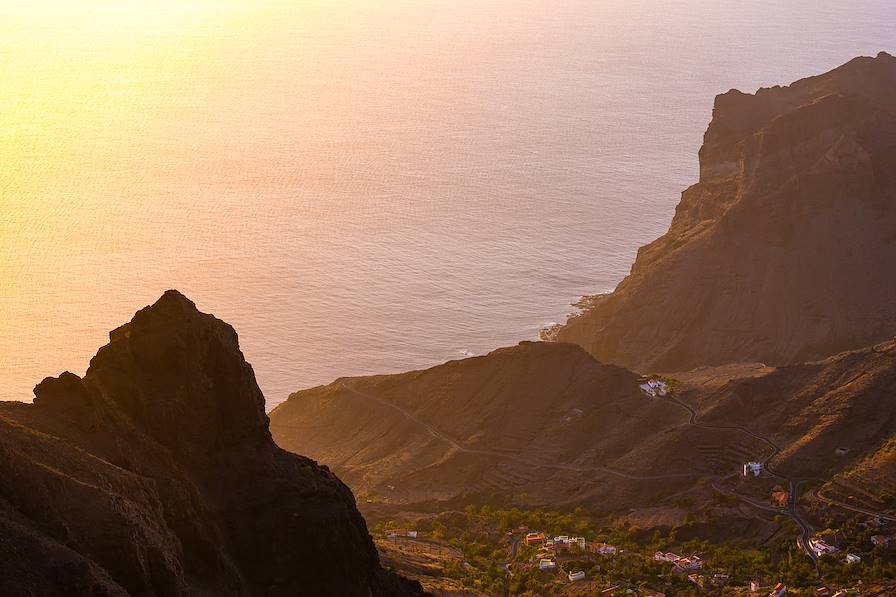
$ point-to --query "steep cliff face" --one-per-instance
(156, 474)
(785, 249)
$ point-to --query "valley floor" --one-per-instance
(485, 551)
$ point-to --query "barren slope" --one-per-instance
(810, 410)
(540, 423)
(544, 423)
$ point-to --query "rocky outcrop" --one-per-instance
(784, 250)
(156, 475)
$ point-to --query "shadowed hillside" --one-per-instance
(545, 423)
(542, 422)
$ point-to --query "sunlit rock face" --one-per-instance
(155, 474)
(784, 250)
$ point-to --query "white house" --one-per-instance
(576, 576)
(603, 549)
(546, 564)
(752, 469)
(654, 388)
(821, 547)
(852, 558)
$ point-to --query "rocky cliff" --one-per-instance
(156, 475)
(785, 249)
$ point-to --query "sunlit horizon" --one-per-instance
(347, 182)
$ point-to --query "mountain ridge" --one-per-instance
(588, 438)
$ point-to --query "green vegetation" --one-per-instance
(497, 561)
(671, 383)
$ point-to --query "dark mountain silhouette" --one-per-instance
(156, 474)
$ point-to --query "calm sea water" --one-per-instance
(357, 186)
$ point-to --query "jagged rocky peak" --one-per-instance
(180, 375)
(156, 474)
(778, 253)
(737, 115)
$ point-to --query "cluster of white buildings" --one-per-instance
(547, 554)
(566, 541)
(821, 547)
(682, 564)
(654, 388)
(602, 549)
(560, 542)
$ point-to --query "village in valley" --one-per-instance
(484, 551)
(488, 552)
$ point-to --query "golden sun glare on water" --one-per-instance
(88, 81)
(111, 18)
(80, 76)
(104, 101)
(85, 84)
(53, 53)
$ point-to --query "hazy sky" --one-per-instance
(358, 186)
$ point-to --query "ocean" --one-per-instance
(359, 186)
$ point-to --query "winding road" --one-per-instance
(838, 504)
(792, 509)
(505, 456)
